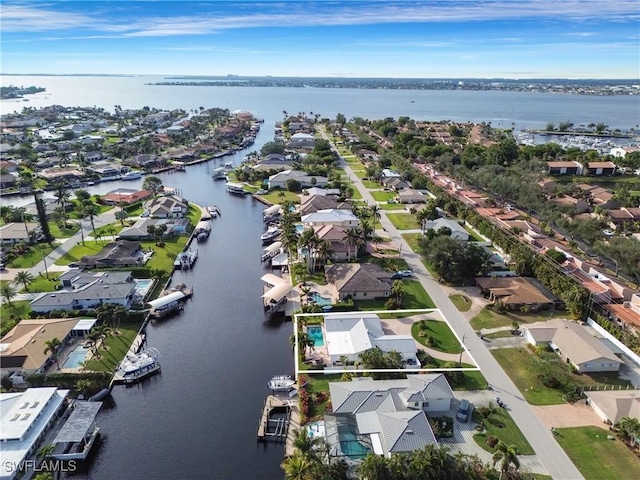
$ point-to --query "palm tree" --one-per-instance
(25, 278)
(62, 195)
(45, 451)
(90, 211)
(507, 455)
(630, 428)
(8, 293)
(84, 386)
(352, 238)
(298, 467)
(324, 251)
(398, 289)
(52, 348)
(304, 341)
(305, 294)
(307, 444)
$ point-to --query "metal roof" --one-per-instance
(79, 422)
(167, 299)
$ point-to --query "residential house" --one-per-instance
(122, 253)
(140, 231)
(409, 195)
(106, 170)
(564, 168)
(457, 230)
(601, 168)
(576, 204)
(331, 216)
(335, 235)
(147, 160)
(516, 293)
(125, 196)
(385, 417)
(349, 334)
(395, 183)
(175, 130)
(621, 152)
(314, 203)
(322, 191)
(388, 173)
(279, 180)
(167, 207)
(61, 173)
(624, 216)
(17, 232)
(614, 405)
(7, 180)
(88, 291)
(25, 419)
(626, 313)
(359, 281)
(8, 165)
(22, 349)
(574, 344)
(599, 196)
(301, 141)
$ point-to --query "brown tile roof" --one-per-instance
(563, 164)
(627, 315)
(601, 165)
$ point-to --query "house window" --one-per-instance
(364, 294)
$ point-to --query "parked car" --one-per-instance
(405, 273)
(396, 276)
(464, 411)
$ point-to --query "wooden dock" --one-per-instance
(280, 427)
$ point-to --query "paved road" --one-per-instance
(552, 456)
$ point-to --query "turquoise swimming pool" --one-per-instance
(350, 445)
(319, 299)
(143, 286)
(315, 333)
(76, 357)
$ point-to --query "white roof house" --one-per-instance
(457, 230)
(24, 417)
(350, 334)
(331, 216)
(279, 180)
(390, 414)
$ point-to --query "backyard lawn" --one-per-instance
(502, 426)
(489, 319)
(392, 206)
(109, 230)
(382, 196)
(320, 384)
(33, 256)
(523, 368)
(593, 454)
(403, 221)
(442, 337)
(414, 297)
(12, 314)
(370, 184)
(90, 247)
(163, 257)
(41, 284)
(117, 347)
(461, 302)
(274, 196)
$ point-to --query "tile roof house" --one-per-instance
(385, 416)
(601, 168)
(331, 216)
(17, 232)
(313, 203)
(628, 312)
(279, 180)
(359, 281)
(123, 253)
(350, 334)
(574, 344)
(22, 348)
(335, 235)
(613, 405)
(457, 230)
(517, 292)
(125, 195)
(564, 168)
(167, 207)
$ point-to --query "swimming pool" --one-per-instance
(320, 300)
(315, 333)
(76, 357)
(350, 445)
(143, 286)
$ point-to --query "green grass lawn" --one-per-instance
(597, 457)
(75, 214)
(523, 368)
(473, 234)
(461, 302)
(356, 194)
(391, 206)
(320, 384)
(137, 211)
(502, 426)
(163, 257)
(33, 256)
(275, 198)
(41, 284)
(416, 296)
(443, 338)
(78, 251)
(12, 314)
(382, 196)
(490, 319)
(370, 184)
(110, 229)
(403, 221)
(67, 231)
(117, 347)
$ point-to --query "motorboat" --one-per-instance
(213, 210)
(131, 175)
(219, 173)
(279, 383)
(136, 367)
(270, 235)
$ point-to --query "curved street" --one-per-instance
(551, 455)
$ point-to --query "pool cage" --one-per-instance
(341, 432)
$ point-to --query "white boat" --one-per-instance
(236, 188)
(136, 367)
(213, 210)
(131, 176)
(270, 235)
(219, 173)
(281, 383)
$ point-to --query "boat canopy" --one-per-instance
(273, 279)
(166, 300)
(272, 210)
(79, 422)
(280, 260)
(277, 293)
(273, 248)
(203, 225)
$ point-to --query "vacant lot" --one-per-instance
(501, 425)
(403, 221)
(597, 457)
(489, 319)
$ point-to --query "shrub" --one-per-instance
(390, 304)
(492, 441)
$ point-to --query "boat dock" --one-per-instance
(276, 429)
(135, 347)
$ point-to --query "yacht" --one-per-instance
(270, 235)
(219, 173)
(281, 383)
(131, 175)
(136, 367)
(213, 211)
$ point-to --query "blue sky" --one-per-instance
(422, 39)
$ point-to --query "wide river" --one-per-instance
(198, 418)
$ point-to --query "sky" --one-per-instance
(375, 38)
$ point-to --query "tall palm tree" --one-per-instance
(352, 239)
(25, 278)
(310, 240)
(630, 428)
(52, 346)
(298, 467)
(90, 211)
(8, 293)
(507, 455)
(324, 251)
(398, 289)
(62, 195)
(84, 386)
